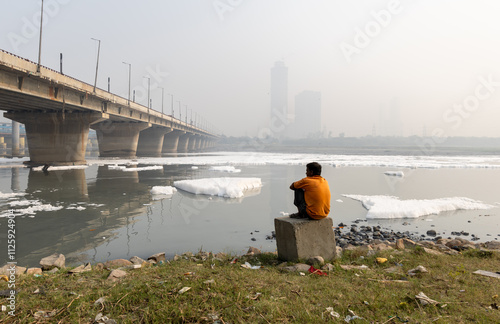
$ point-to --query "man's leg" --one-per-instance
(300, 202)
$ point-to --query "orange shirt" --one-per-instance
(316, 194)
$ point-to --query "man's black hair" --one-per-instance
(315, 167)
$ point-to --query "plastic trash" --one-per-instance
(183, 290)
(381, 260)
(313, 270)
(247, 265)
(332, 312)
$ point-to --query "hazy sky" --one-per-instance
(388, 67)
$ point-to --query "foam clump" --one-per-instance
(163, 190)
(222, 187)
(230, 169)
(386, 207)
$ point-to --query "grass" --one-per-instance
(222, 292)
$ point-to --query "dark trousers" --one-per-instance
(300, 201)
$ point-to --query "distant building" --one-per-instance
(279, 119)
(307, 114)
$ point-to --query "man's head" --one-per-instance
(313, 168)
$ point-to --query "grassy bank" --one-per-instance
(224, 292)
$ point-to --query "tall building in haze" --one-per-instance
(307, 114)
(279, 99)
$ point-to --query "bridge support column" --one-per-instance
(15, 139)
(184, 140)
(192, 143)
(151, 141)
(118, 139)
(56, 138)
(171, 140)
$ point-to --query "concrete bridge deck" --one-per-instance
(58, 110)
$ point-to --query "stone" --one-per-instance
(381, 247)
(81, 268)
(316, 260)
(116, 275)
(328, 267)
(431, 251)
(34, 271)
(253, 251)
(492, 245)
(298, 238)
(338, 252)
(431, 233)
(137, 260)
(54, 260)
(158, 257)
(5, 270)
(299, 267)
(99, 266)
(400, 245)
(117, 263)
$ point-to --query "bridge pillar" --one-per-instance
(171, 141)
(118, 139)
(15, 139)
(199, 143)
(193, 140)
(184, 140)
(56, 138)
(151, 141)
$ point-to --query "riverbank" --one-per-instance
(406, 281)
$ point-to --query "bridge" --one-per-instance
(58, 111)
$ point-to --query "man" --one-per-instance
(312, 194)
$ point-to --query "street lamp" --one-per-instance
(97, 63)
(186, 114)
(172, 104)
(129, 74)
(40, 42)
(162, 91)
(149, 93)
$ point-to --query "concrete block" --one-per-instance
(303, 238)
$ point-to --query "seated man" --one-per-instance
(312, 194)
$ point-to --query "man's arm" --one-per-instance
(292, 187)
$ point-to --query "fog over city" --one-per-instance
(389, 68)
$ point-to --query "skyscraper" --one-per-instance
(279, 99)
(307, 114)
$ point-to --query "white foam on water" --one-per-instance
(230, 169)
(32, 210)
(386, 207)
(163, 190)
(60, 168)
(125, 169)
(222, 187)
(10, 195)
(335, 160)
(17, 203)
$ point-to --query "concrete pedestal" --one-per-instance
(182, 146)
(303, 238)
(57, 138)
(171, 140)
(118, 139)
(151, 141)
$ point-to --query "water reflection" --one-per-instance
(100, 207)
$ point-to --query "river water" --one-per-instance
(101, 213)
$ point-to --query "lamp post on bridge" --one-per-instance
(129, 74)
(149, 93)
(97, 63)
(186, 114)
(180, 111)
(172, 104)
(162, 91)
(40, 41)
